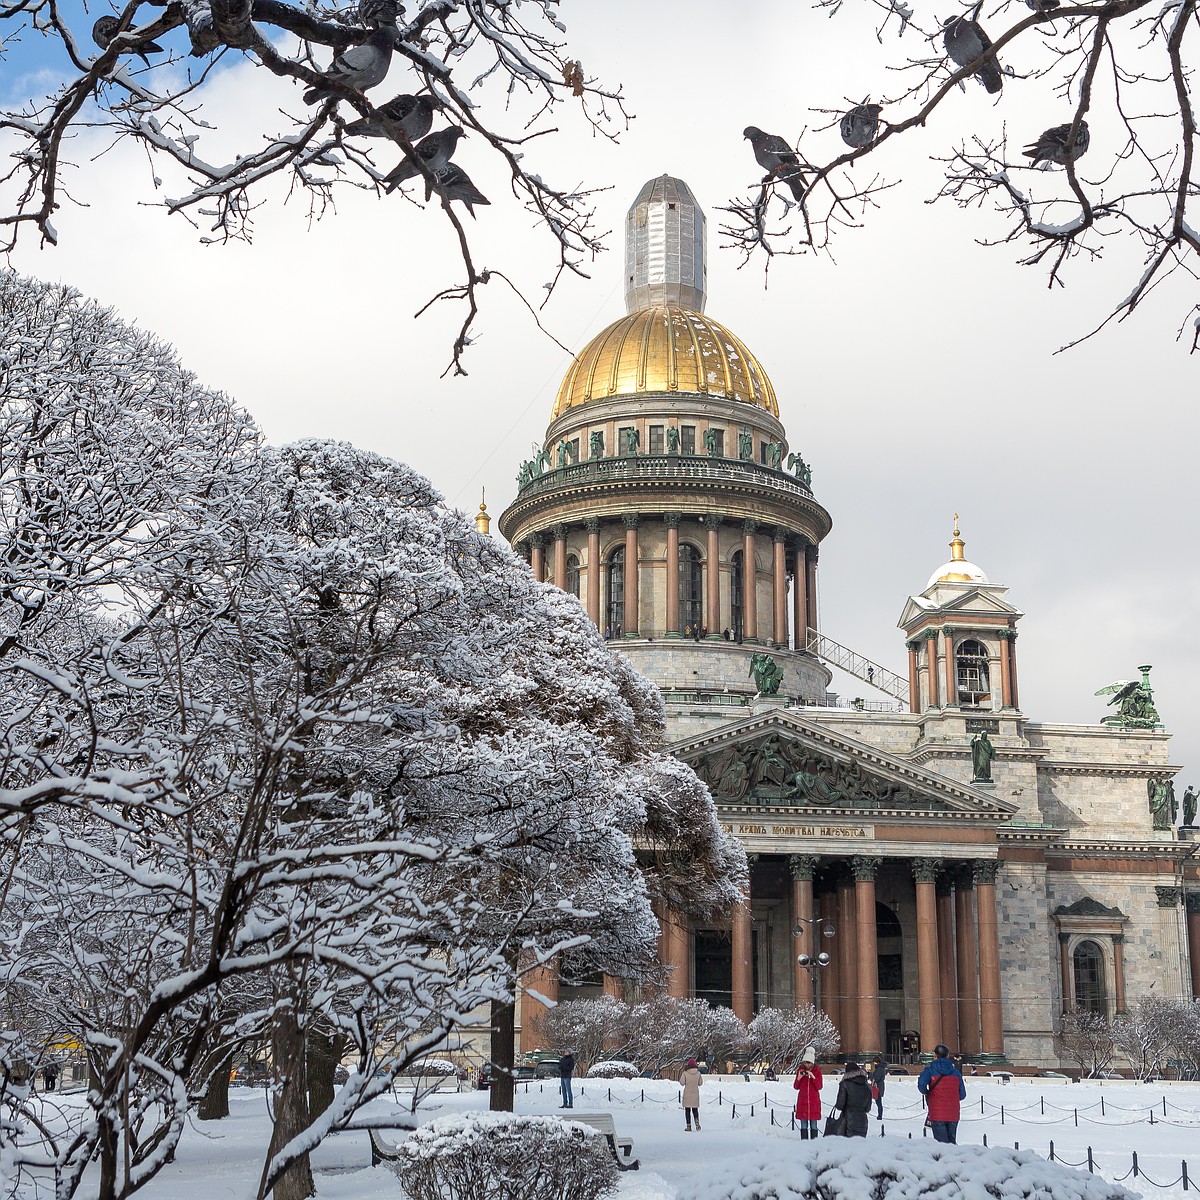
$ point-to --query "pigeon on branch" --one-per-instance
(376, 13)
(777, 158)
(357, 67)
(434, 152)
(1052, 146)
(966, 43)
(860, 125)
(455, 184)
(411, 115)
(106, 28)
(1043, 6)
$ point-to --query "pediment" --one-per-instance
(972, 601)
(787, 761)
(1087, 907)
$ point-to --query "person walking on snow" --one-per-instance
(878, 1078)
(808, 1099)
(854, 1099)
(942, 1085)
(692, 1082)
(566, 1068)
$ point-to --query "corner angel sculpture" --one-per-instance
(1135, 702)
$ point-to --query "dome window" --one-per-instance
(971, 673)
(691, 611)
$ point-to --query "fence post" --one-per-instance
(1152, 1116)
(1164, 1106)
(793, 1119)
(1002, 1114)
(643, 1095)
(1091, 1164)
(733, 1115)
(610, 1095)
(1051, 1151)
(752, 1110)
(1077, 1118)
(1016, 1145)
(985, 1139)
(764, 1096)
(981, 1104)
(1185, 1175)
(1135, 1165)
(1102, 1106)
(772, 1116)
(1042, 1102)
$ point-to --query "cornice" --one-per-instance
(1137, 848)
(1129, 770)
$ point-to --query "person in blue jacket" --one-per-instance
(942, 1085)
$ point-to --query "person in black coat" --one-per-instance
(854, 1099)
(878, 1079)
(566, 1068)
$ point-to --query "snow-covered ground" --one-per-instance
(223, 1158)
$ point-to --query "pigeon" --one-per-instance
(359, 67)
(1051, 147)
(105, 29)
(435, 151)
(412, 115)
(777, 158)
(860, 125)
(1043, 6)
(966, 43)
(455, 184)
(372, 14)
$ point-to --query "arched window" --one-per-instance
(971, 673)
(1088, 962)
(737, 591)
(691, 608)
(616, 593)
(573, 574)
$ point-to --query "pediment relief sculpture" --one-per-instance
(778, 770)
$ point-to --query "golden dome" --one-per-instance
(958, 569)
(665, 349)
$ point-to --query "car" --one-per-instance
(898, 1071)
(547, 1068)
(1108, 1075)
(340, 1074)
(483, 1080)
(525, 1074)
(251, 1074)
(1053, 1075)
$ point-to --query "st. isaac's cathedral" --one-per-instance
(970, 873)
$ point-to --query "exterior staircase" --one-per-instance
(873, 674)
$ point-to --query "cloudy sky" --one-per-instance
(915, 368)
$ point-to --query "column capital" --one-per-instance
(865, 867)
(948, 630)
(713, 520)
(1063, 938)
(1118, 939)
(523, 547)
(803, 866)
(632, 520)
(780, 535)
(964, 875)
(914, 645)
(592, 524)
(925, 870)
(560, 532)
(537, 540)
(1193, 903)
(749, 526)
(1168, 897)
(671, 519)
(1007, 635)
(984, 870)
(929, 634)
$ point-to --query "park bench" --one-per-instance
(603, 1122)
(382, 1151)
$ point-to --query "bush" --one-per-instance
(613, 1068)
(432, 1066)
(886, 1169)
(501, 1156)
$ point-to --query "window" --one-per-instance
(690, 593)
(573, 574)
(971, 673)
(736, 592)
(573, 450)
(687, 439)
(657, 439)
(763, 451)
(1088, 961)
(616, 594)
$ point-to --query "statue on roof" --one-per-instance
(1161, 798)
(1135, 702)
(767, 673)
(982, 754)
(1189, 807)
(803, 470)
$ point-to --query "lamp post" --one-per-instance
(813, 962)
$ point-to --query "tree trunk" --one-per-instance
(215, 1102)
(291, 1108)
(324, 1054)
(504, 1036)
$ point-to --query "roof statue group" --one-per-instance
(405, 119)
(968, 47)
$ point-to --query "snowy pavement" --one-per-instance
(221, 1159)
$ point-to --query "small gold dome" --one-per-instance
(665, 349)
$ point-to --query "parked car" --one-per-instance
(483, 1080)
(547, 1068)
(525, 1074)
(251, 1074)
(1053, 1075)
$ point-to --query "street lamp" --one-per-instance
(813, 962)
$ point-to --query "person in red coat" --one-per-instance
(942, 1086)
(808, 1099)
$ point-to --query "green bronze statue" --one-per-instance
(982, 754)
(774, 455)
(596, 445)
(672, 439)
(745, 445)
(767, 674)
(1135, 702)
(803, 470)
(1189, 806)
(710, 443)
(1163, 806)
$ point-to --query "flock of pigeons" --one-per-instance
(404, 118)
(966, 44)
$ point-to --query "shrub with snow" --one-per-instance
(432, 1066)
(887, 1169)
(501, 1156)
(613, 1068)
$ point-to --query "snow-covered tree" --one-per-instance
(1086, 1037)
(289, 752)
(779, 1036)
(1150, 1031)
(592, 1028)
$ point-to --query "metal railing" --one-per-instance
(873, 674)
